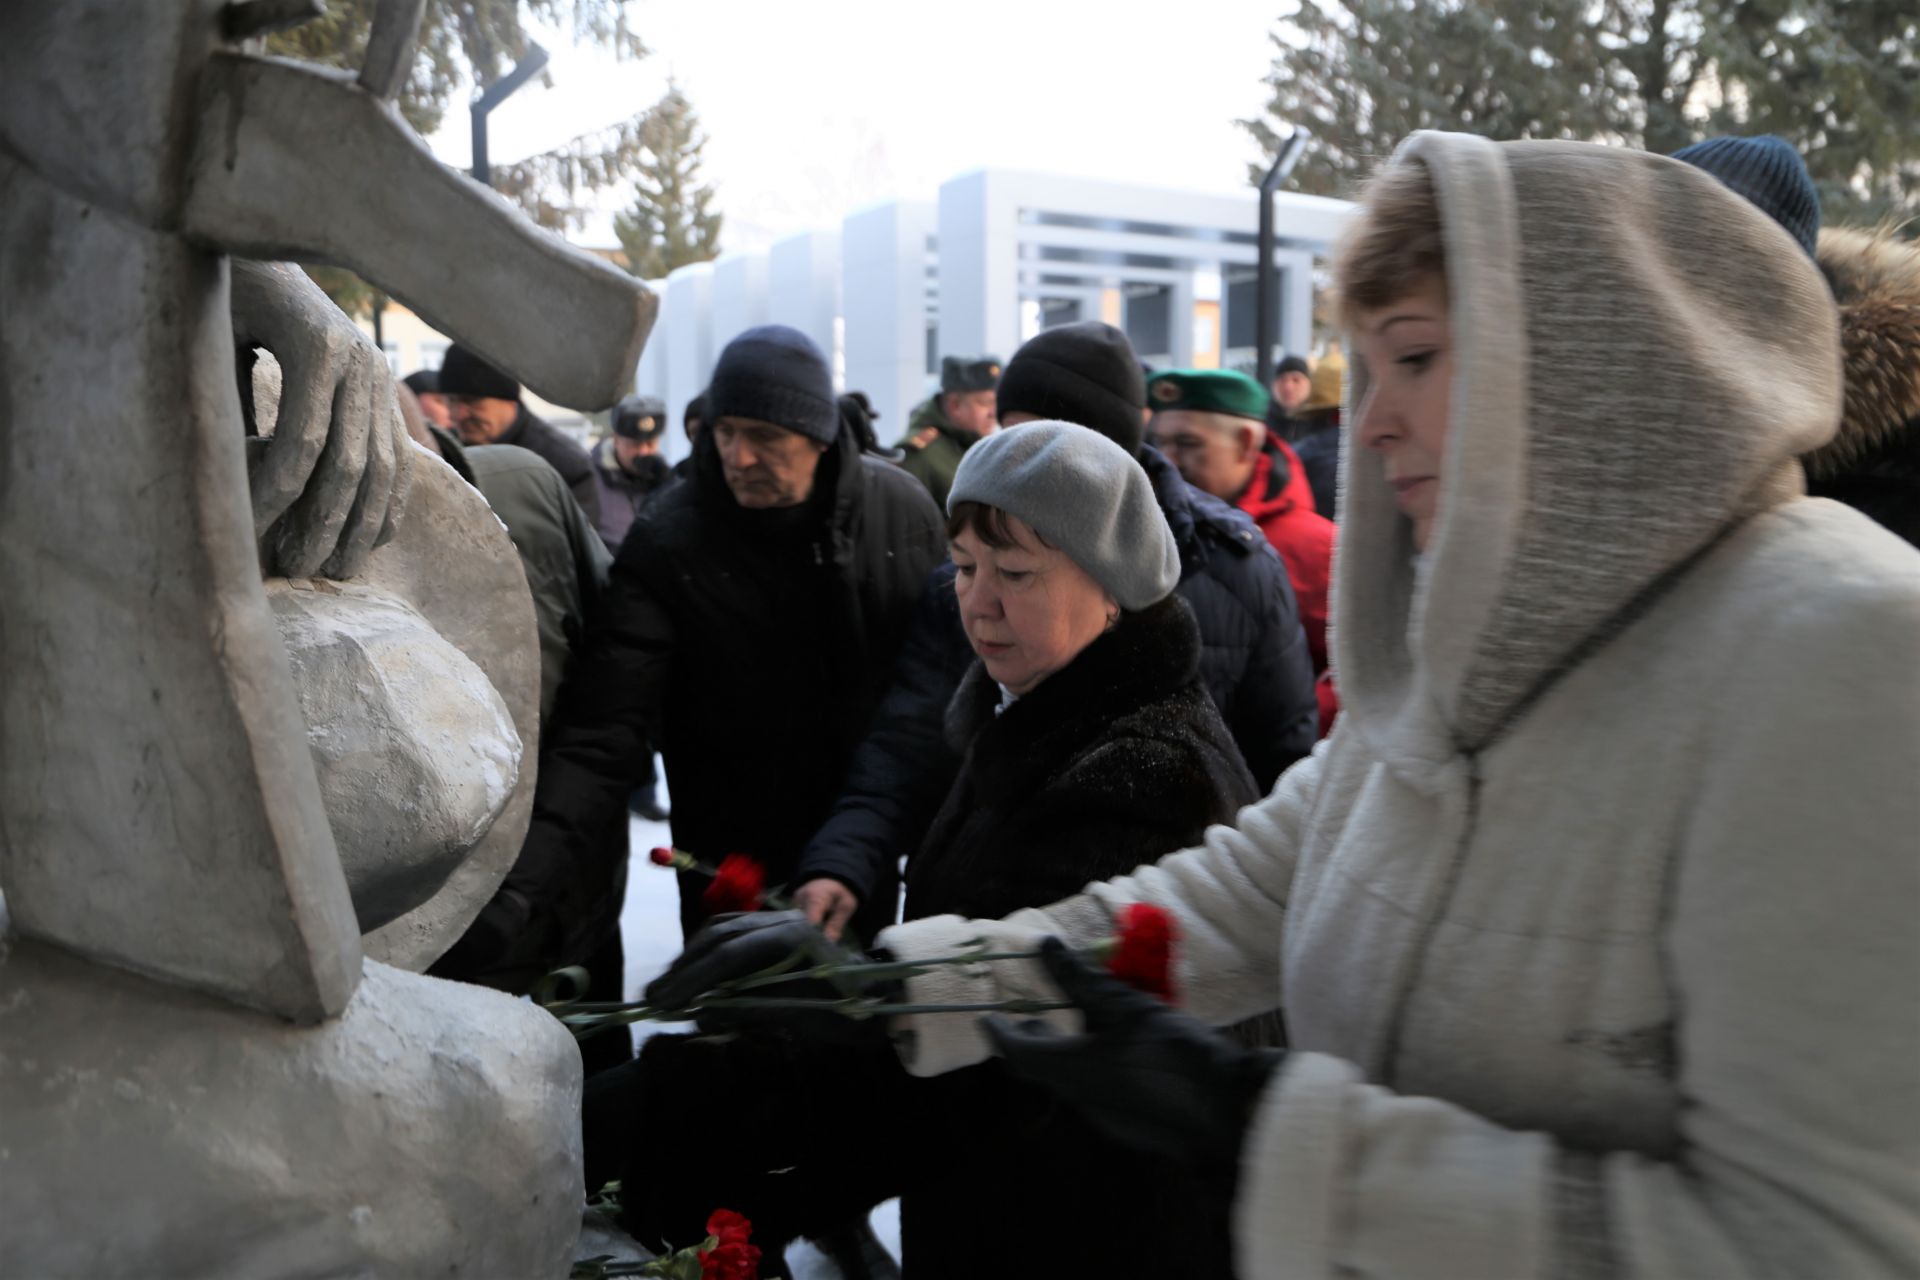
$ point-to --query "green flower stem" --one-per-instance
(872, 971)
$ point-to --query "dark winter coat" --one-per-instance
(558, 448)
(932, 448)
(1254, 662)
(624, 494)
(1112, 761)
(750, 647)
(1315, 437)
(1118, 758)
(1873, 465)
(565, 562)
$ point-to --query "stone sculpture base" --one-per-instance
(432, 1129)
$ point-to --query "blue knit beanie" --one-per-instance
(1770, 174)
(777, 375)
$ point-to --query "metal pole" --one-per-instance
(527, 68)
(1265, 286)
(482, 174)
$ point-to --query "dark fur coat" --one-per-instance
(1874, 462)
(1110, 763)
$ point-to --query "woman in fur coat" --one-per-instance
(1089, 745)
(1593, 920)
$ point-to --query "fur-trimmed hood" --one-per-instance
(1875, 277)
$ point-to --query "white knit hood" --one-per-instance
(1625, 391)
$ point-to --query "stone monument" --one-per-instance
(245, 723)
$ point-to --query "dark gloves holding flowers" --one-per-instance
(736, 948)
(1144, 1074)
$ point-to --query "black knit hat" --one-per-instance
(639, 418)
(777, 375)
(1083, 373)
(1294, 364)
(422, 382)
(463, 373)
(1770, 174)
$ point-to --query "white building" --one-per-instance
(999, 257)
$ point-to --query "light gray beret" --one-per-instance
(1085, 495)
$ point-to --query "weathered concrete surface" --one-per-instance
(92, 95)
(431, 1130)
(453, 562)
(279, 141)
(331, 477)
(416, 751)
(158, 809)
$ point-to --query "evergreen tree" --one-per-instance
(672, 222)
(1838, 78)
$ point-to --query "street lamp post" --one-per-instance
(493, 96)
(1265, 285)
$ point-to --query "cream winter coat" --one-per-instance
(1597, 920)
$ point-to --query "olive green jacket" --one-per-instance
(933, 447)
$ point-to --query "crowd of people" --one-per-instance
(1543, 864)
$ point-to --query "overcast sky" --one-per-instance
(815, 109)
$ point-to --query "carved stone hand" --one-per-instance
(334, 476)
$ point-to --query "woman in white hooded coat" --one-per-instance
(1594, 921)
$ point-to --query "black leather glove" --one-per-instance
(1145, 1075)
(736, 947)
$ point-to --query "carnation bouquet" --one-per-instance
(1140, 953)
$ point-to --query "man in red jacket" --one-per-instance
(1212, 424)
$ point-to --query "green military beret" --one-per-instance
(1207, 391)
(969, 373)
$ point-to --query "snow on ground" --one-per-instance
(650, 932)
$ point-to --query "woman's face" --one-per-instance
(1027, 608)
(1408, 349)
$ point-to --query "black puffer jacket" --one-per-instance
(1253, 661)
(751, 648)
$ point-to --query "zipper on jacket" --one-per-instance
(1443, 899)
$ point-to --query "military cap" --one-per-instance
(639, 417)
(1225, 391)
(961, 374)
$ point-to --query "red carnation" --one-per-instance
(729, 1227)
(730, 1260)
(661, 856)
(737, 886)
(1143, 952)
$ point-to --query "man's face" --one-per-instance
(1215, 452)
(629, 452)
(766, 465)
(433, 407)
(1291, 389)
(971, 411)
(482, 419)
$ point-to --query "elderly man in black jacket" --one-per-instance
(1254, 660)
(752, 617)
